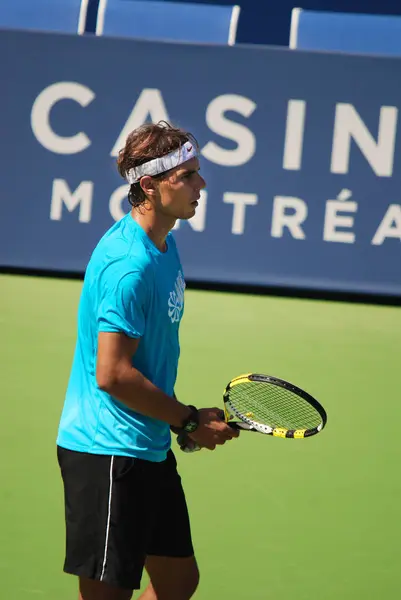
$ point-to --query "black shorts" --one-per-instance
(118, 510)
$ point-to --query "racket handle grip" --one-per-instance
(241, 425)
(186, 444)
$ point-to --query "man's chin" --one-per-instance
(188, 215)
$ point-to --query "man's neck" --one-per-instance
(156, 226)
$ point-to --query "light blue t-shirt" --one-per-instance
(130, 287)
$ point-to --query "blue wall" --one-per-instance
(301, 153)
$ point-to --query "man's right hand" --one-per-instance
(212, 429)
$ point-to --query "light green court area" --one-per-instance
(315, 519)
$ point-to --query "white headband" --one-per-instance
(162, 164)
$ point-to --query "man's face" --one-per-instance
(179, 192)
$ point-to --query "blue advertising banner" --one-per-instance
(301, 153)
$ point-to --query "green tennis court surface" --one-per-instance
(315, 519)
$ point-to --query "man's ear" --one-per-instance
(149, 185)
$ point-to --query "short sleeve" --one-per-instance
(122, 309)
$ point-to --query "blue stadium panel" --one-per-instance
(174, 21)
(68, 16)
(346, 32)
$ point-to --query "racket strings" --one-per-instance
(274, 406)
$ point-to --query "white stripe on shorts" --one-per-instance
(108, 519)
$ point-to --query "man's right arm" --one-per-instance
(116, 376)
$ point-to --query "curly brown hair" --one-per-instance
(149, 141)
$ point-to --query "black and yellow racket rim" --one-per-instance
(273, 406)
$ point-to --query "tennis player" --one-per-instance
(125, 507)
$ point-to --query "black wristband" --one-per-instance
(191, 423)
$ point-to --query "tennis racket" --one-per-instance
(268, 405)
